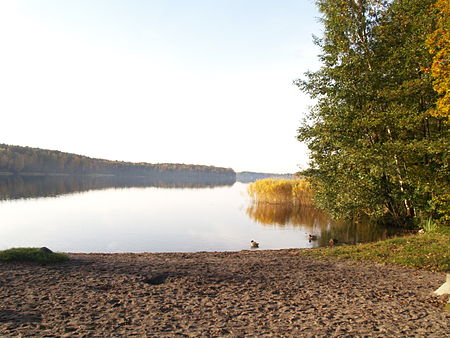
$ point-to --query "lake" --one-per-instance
(109, 214)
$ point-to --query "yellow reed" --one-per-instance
(280, 191)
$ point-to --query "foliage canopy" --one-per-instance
(439, 45)
(376, 146)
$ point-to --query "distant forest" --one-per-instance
(26, 160)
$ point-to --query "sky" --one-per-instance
(170, 81)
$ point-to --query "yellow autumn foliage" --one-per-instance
(281, 191)
(439, 46)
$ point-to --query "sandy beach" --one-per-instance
(245, 293)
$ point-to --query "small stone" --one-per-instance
(46, 250)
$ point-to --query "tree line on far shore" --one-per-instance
(378, 134)
(26, 160)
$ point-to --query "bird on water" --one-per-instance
(333, 241)
(312, 237)
(254, 244)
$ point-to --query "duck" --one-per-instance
(333, 241)
(312, 237)
(254, 244)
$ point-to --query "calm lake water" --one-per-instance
(120, 215)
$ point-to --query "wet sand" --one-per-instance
(246, 293)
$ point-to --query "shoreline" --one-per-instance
(222, 293)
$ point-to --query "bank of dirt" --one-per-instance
(246, 293)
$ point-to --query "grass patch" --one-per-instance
(429, 225)
(31, 255)
(429, 251)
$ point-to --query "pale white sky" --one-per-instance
(204, 82)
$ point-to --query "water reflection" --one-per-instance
(18, 187)
(157, 216)
(316, 222)
(284, 214)
(353, 233)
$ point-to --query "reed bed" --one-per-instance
(281, 191)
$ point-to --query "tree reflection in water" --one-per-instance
(23, 187)
(317, 222)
